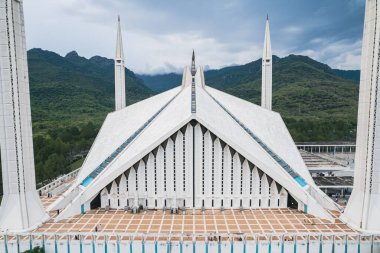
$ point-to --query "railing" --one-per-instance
(58, 182)
(315, 148)
(163, 243)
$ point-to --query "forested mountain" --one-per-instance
(71, 89)
(71, 96)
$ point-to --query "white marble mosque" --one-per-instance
(189, 156)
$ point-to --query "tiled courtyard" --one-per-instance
(251, 221)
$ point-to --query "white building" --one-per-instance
(193, 147)
(194, 150)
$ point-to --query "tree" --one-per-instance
(35, 250)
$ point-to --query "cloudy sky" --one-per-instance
(159, 35)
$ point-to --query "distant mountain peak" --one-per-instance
(103, 61)
(72, 54)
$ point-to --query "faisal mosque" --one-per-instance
(192, 169)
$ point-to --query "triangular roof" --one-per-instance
(130, 134)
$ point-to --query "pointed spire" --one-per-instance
(267, 43)
(266, 80)
(119, 70)
(193, 69)
(119, 42)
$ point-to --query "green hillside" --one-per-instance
(72, 89)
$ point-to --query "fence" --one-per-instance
(182, 243)
(328, 148)
(58, 182)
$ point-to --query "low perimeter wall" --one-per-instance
(170, 243)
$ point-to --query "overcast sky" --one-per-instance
(159, 35)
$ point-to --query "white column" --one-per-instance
(246, 183)
(160, 177)
(198, 149)
(266, 79)
(151, 181)
(104, 198)
(123, 191)
(362, 209)
(237, 170)
(227, 177)
(189, 165)
(208, 170)
(179, 167)
(113, 195)
(141, 180)
(255, 187)
(264, 191)
(21, 207)
(218, 172)
(119, 71)
(169, 170)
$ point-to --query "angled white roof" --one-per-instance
(130, 134)
(120, 125)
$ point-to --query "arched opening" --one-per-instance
(95, 203)
(292, 203)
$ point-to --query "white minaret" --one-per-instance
(21, 208)
(362, 211)
(266, 79)
(119, 71)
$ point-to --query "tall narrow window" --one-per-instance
(241, 179)
(250, 182)
(137, 180)
(155, 176)
(232, 175)
(146, 178)
(212, 170)
(260, 187)
(184, 162)
(165, 170)
(174, 168)
(203, 164)
(222, 172)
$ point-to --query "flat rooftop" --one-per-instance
(250, 221)
(334, 181)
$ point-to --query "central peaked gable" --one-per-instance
(177, 113)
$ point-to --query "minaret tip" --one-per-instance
(193, 69)
(118, 18)
(267, 17)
